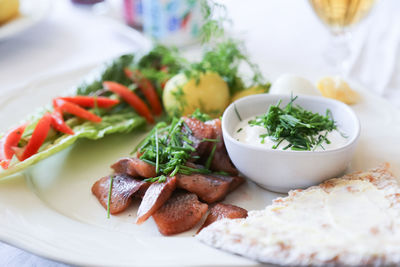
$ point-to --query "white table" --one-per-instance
(283, 36)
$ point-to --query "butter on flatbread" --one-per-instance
(352, 220)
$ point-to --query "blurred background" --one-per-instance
(282, 36)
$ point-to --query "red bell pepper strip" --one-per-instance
(7, 142)
(91, 102)
(38, 136)
(147, 89)
(58, 123)
(131, 98)
(74, 109)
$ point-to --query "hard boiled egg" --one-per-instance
(288, 84)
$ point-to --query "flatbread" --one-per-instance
(352, 220)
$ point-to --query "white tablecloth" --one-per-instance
(283, 36)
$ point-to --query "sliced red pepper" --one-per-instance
(58, 123)
(91, 102)
(38, 136)
(131, 98)
(147, 89)
(74, 109)
(7, 142)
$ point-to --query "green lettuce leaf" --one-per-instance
(119, 119)
(115, 123)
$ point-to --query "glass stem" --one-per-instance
(338, 53)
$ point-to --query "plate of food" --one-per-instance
(18, 15)
(135, 166)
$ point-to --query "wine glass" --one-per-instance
(340, 16)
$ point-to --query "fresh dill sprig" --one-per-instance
(303, 129)
(160, 64)
(223, 54)
(213, 28)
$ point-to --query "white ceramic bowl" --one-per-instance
(282, 170)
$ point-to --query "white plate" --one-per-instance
(49, 210)
(31, 12)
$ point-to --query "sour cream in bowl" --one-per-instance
(276, 164)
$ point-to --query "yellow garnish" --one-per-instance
(8, 9)
(337, 89)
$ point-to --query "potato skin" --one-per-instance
(209, 93)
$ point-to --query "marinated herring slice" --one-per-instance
(134, 167)
(220, 160)
(156, 195)
(123, 188)
(221, 211)
(207, 187)
(199, 132)
(180, 213)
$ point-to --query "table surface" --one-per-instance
(282, 36)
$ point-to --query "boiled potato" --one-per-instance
(209, 93)
(254, 90)
(8, 9)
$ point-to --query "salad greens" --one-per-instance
(223, 56)
(303, 129)
(113, 71)
(119, 119)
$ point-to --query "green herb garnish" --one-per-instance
(223, 54)
(197, 114)
(211, 156)
(170, 147)
(303, 129)
(109, 196)
(237, 112)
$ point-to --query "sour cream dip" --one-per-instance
(250, 134)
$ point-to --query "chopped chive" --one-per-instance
(237, 112)
(187, 140)
(299, 127)
(210, 157)
(209, 140)
(157, 152)
(175, 171)
(187, 128)
(222, 173)
(169, 147)
(148, 161)
(239, 130)
(109, 196)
